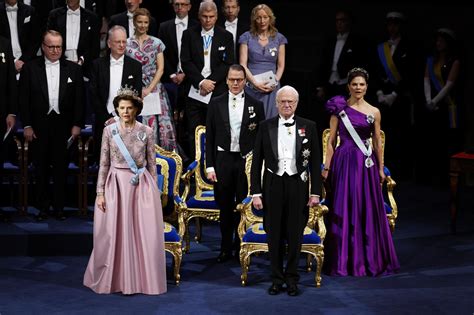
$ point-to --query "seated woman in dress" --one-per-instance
(359, 241)
(128, 254)
(262, 49)
(149, 51)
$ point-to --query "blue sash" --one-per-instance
(126, 154)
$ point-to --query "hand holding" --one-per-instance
(10, 121)
(313, 201)
(29, 134)
(100, 201)
(257, 202)
(212, 176)
(75, 131)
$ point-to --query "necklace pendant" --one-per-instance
(206, 52)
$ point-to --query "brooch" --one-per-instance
(305, 163)
(272, 51)
(370, 118)
(3, 57)
(306, 153)
(250, 109)
(252, 126)
(141, 135)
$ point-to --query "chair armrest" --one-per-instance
(186, 178)
(316, 220)
(180, 205)
(391, 184)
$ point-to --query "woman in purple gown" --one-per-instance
(128, 254)
(359, 242)
(262, 49)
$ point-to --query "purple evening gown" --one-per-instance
(359, 241)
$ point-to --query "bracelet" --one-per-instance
(100, 194)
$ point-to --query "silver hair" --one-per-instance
(207, 6)
(114, 28)
(287, 88)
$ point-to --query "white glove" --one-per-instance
(390, 98)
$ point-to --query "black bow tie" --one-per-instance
(289, 124)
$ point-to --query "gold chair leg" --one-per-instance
(309, 262)
(177, 264)
(244, 263)
(198, 236)
(319, 267)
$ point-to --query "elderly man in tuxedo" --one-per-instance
(52, 109)
(18, 23)
(289, 146)
(207, 51)
(9, 99)
(125, 19)
(79, 28)
(232, 124)
(108, 74)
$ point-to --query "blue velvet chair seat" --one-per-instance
(203, 201)
(256, 234)
(171, 234)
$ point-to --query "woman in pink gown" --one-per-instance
(128, 254)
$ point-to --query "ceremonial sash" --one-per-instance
(126, 154)
(386, 59)
(365, 148)
(434, 71)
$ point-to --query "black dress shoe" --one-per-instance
(275, 289)
(223, 257)
(293, 290)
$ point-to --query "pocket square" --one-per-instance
(305, 140)
(27, 19)
(88, 28)
(221, 48)
(69, 80)
(130, 76)
(220, 149)
(349, 50)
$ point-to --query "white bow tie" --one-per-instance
(50, 64)
(116, 62)
(179, 22)
(71, 12)
(11, 9)
(227, 23)
(208, 33)
(130, 15)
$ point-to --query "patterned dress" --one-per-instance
(161, 124)
(260, 60)
(128, 254)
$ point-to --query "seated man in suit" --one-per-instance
(207, 51)
(125, 19)
(232, 123)
(289, 147)
(52, 112)
(108, 74)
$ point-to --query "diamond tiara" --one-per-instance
(127, 91)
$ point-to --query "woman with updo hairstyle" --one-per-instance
(128, 254)
(359, 241)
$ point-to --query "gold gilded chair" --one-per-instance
(201, 204)
(169, 169)
(391, 207)
(253, 238)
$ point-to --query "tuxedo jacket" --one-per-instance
(34, 99)
(353, 54)
(192, 56)
(306, 152)
(218, 126)
(100, 83)
(167, 34)
(8, 84)
(122, 20)
(242, 27)
(88, 45)
(28, 32)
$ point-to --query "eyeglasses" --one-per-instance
(52, 47)
(177, 5)
(237, 80)
(289, 102)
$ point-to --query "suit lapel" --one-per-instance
(20, 19)
(245, 118)
(43, 79)
(83, 28)
(273, 133)
(299, 139)
(63, 81)
(224, 110)
(174, 38)
(105, 74)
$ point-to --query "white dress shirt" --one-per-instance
(12, 14)
(116, 71)
(207, 45)
(340, 42)
(73, 29)
(52, 76)
(236, 111)
(393, 43)
(181, 25)
(232, 27)
(131, 27)
(286, 147)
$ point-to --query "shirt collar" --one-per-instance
(11, 7)
(283, 120)
(120, 60)
(184, 20)
(210, 32)
(342, 35)
(48, 62)
(238, 96)
(234, 22)
(130, 15)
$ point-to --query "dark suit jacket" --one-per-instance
(100, 83)
(192, 56)
(8, 85)
(34, 99)
(353, 54)
(28, 32)
(218, 126)
(242, 27)
(167, 34)
(266, 149)
(122, 20)
(88, 46)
